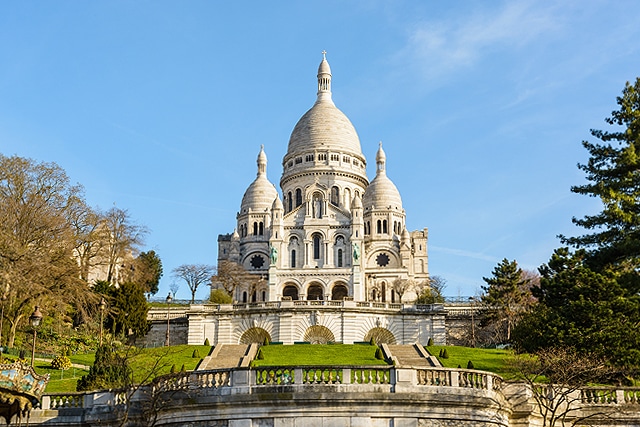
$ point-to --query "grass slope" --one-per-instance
(485, 359)
(318, 355)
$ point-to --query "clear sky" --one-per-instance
(160, 107)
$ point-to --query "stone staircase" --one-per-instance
(413, 355)
(229, 356)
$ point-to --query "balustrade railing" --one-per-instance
(244, 380)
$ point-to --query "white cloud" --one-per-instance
(444, 46)
(464, 253)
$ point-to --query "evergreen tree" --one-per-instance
(506, 296)
(613, 172)
(582, 309)
(109, 370)
(128, 310)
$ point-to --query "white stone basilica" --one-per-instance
(333, 235)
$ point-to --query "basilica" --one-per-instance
(331, 234)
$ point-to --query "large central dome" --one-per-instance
(324, 127)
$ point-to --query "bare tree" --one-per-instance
(37, 265)
(556, 378)
(401, 286)
(229, 276)
(194, 275)
(123, 238)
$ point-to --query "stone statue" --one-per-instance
(356, 253)
(273, 254)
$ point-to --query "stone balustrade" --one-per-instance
(369, 395)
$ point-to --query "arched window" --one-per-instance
(261, 228)
(244, 297)
(379, 227)
(289, 201)
(339, 292)
(264, 295)
(340, 258)
(254, 297)
(317, 242)
(384, 226)
(293, 258)
(335, 196)
(383, 292)
(255, 228)
(290, 291)
(315, 293)
(298, 197)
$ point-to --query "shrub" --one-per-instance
(440, 353)
(206, 342)
(266, 341)
(470, 365)
(61, 362)
(379, 354)
(183, 368)
(372, 341)
(260, 356)
(196, 354)
(445, 354)
(173, 369)
(109, 370)
(430, 342)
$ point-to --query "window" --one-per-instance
(298, 160)
(346, 159)
(340, 262)
(289, 201)
(335, 196)
(316, 246)
(261, 228)
(309, 158)
(298, 197)
(335, 158)
(322, 156)
(255, 228)
(293, 258)
(384, 226)
(379, 227)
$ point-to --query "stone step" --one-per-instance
(412, 355)
(224, 356)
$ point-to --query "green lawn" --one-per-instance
(485, 359)
(144, 362)
(318, 355)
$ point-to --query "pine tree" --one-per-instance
(506, 296)
(613, 172)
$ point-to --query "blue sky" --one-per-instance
(160, 108)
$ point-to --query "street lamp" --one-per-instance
(103, 305)
(169, 299)
(35, 319)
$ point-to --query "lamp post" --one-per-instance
(103, 305)
(169, 299)
(35, 319)
(4, 298)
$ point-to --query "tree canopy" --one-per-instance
(613, 175)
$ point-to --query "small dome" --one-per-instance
(356, 203)
(261, 193)
(382, 192)
(277, 203)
